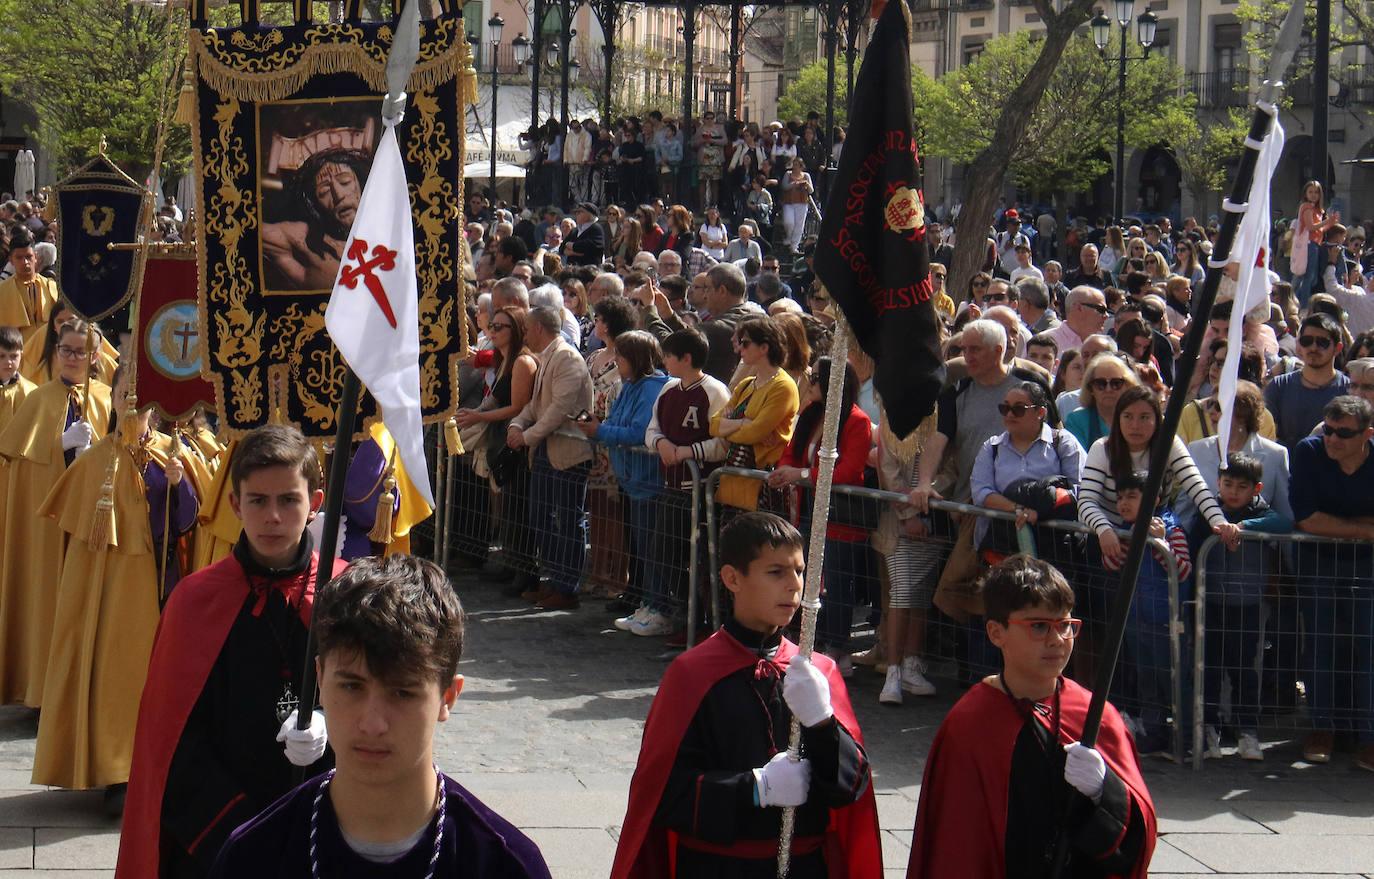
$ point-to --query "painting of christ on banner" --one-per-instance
(313, 161)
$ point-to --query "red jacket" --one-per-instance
(856, 438)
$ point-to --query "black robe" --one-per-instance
(740, 724)
(228, 765)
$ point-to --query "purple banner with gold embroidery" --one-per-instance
(287, 122)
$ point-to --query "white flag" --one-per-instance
(1251, 251)
(373, 313)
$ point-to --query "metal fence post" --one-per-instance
(1199, 647)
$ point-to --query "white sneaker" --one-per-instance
(652, 624)
(626, 624)
(1213, 737)
(891, 694)
(914, 679)
(844, 663)
(1250, 747)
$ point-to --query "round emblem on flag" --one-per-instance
(171, 341)
(904, 211)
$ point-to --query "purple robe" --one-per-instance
(477, 844)
(183, 516)
(362, 489)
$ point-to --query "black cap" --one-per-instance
(588, 207)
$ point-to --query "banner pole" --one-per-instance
(820, 514)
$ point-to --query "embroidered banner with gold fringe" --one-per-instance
(97, 206)
(285, 127)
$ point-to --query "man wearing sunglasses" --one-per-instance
(1332, 493)
(1017, 733)
(1297, 398)
(1085, 314)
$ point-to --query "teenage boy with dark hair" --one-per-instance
(680, 431)
(1236, 584)
(991, 801)
(14, 388)
(713, 767)
(390, 634)
(226, 666)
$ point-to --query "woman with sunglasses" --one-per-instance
(510, 392)
(1104, 378)
(1187, 264)
(1029, 451)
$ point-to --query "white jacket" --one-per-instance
(577, 148)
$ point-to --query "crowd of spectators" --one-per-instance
(664, 339)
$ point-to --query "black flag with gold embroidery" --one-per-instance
(871, 253)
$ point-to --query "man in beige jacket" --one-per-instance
(560, 458)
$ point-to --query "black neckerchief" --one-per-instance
(253, 568)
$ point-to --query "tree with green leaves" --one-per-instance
(1071, 129)
(1352, 27)
(808, 92)
(1204, 154)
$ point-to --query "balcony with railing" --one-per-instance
(1220, 89)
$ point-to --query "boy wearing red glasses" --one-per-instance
(992, 800)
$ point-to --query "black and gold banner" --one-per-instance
(287, 121)
(97, 206)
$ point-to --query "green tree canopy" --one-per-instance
(807, 93)
(1072, 131)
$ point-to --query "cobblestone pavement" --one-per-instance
(548, 727)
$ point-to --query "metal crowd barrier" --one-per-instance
(1263, 601)
(1076, 575)
(480, 523)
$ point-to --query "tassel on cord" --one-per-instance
(186, 101)
(381, 526)
(453, 440)
(102, 523)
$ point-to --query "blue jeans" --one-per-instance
(667, 519)
(845, 562)
(558, 517)
(1339, 621)
(1303, 284)
(1232, 647)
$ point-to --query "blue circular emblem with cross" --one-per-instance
(172, 341)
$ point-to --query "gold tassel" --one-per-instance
(102, 523)
(126, 421)
(381, 528)
(186, 101)
(453, 440)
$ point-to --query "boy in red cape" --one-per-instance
(992, 803)
(225, 668)
(713, 768)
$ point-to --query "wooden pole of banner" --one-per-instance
(1234, 208)
(820, 513)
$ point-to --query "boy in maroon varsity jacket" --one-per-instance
(679, 431)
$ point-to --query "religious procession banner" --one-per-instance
(285, 130)
(97, 206)
(170, 349)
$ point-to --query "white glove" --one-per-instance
(1085, 769)
(78, 437)
(807, 692)
(304, 746)
(783, 782)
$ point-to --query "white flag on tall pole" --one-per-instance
(373, 313)
(1251, 252)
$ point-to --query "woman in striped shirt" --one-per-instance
(1135, 422)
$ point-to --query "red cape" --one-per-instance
(961, 820)
(852, 847)
(191, 634)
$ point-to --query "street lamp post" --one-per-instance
(1145, 35)
(495, 25)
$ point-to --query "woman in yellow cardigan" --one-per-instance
(757, 422)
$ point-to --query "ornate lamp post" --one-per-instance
(1146, 23)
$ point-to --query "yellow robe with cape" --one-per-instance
(35, 370)
(18, 308)
(34, 547)
(11, 396)
(107, 611)
(219, 528)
